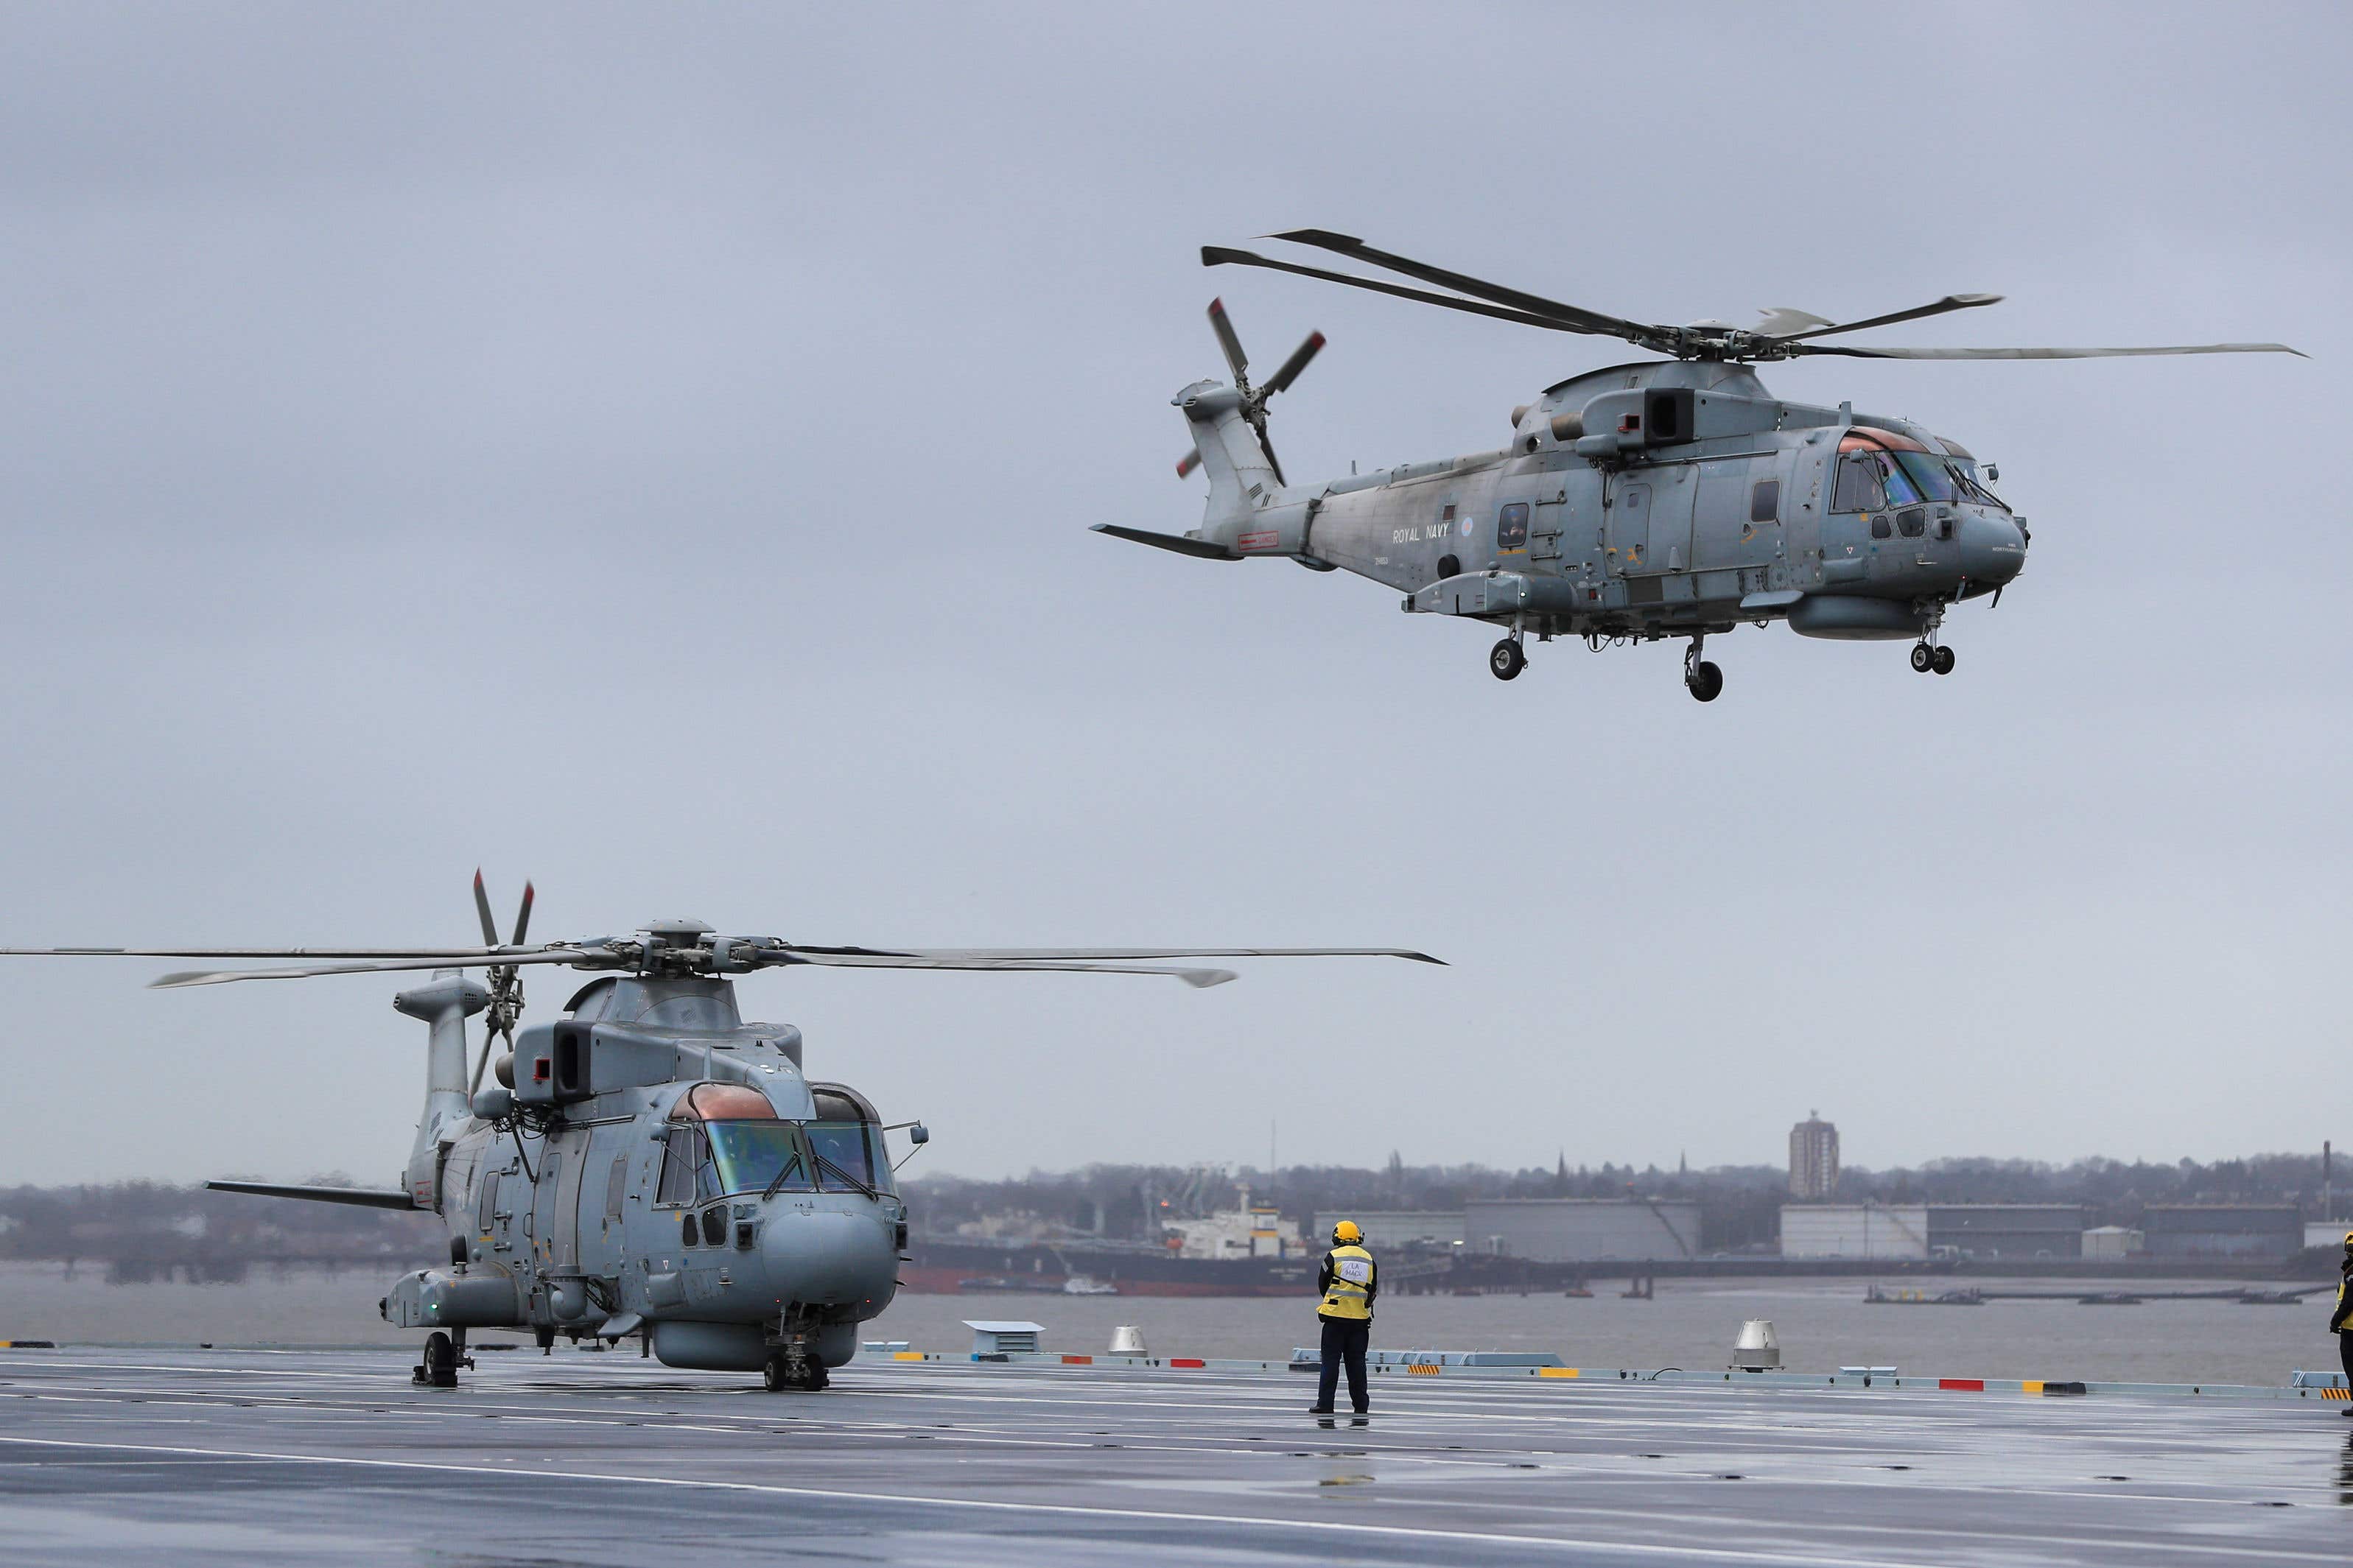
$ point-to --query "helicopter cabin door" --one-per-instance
(559, 1218)
(1649, 533)
(1629, 528)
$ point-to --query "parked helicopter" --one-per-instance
(650, 1164)
(1636, 502)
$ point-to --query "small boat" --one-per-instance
(1087, 1285)
(1877, 1297)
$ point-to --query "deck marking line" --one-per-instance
(993, 1505)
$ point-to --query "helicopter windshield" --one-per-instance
(845, 1159)
(1868, 480)
(793, 1157)
(753, 1154)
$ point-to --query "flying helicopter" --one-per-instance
(650, 1163)
(1636, 502)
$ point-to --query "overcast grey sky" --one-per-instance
(650, 449)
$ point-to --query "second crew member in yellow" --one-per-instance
(1349, 1280)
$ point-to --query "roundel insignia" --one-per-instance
(1466, 526)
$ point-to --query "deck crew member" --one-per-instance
(1349, 1280)
(2340, 1320)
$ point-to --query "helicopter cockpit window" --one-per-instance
(679, 1163)
(845, 1156)
(1858, 485)
(1930, 480)
(1972, 483)
(753, 1155)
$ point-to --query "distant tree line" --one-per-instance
(1740, 1205)
(149, 1230)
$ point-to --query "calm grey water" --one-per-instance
(1823, 1324)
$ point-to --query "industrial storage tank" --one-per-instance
(1582, 1230)
(1895, 1231)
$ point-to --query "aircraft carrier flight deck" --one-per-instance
(191, 1456)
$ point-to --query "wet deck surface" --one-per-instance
(138, 1457)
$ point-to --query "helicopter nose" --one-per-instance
(835, 1259)
(1993, 549)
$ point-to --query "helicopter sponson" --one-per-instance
(650, 1164)
(1637, 502)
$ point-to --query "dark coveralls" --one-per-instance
(1348, 1316)
(2340, 1321)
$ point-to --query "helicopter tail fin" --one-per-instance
(444, 1004)
(1232, 456)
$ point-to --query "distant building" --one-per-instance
(2112, 1243)
(1582, 1230)
(2237, 1232)
(1813, 1158)
(2006, 1230)
(1897, 1231)
(1394, 1227)
(1894, 1231)
(2328, 1234)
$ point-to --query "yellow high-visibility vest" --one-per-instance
(1352, 1275)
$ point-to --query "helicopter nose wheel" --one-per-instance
(443, 1357)
(1506, 658)
(805, 1372)
(1701, 676)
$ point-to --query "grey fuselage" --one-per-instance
(1641, 500)
(570, 1224)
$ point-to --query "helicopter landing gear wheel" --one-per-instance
(1701, 676)
(439, 1367)
(783, 1371)
(1923, 657)
(1506, 658)
(1943, 661)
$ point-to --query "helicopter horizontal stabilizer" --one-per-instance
(1181, 545)
(363, 1197)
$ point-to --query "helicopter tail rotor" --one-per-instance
(1254, 399)
(506, 980)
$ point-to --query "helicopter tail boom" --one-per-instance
(1231, 456)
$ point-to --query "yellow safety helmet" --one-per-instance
(1346, 1233)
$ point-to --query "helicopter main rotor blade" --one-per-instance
(1295, 363)
(468, 957)
(2049, 353)
(482, 908)
(1949, 302)
(1266, 445)
(1478, 288)
(1228, 341)
(1093, 954)
(581, 957)
(1221, 256)
(1196, 977)
(523, 916)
